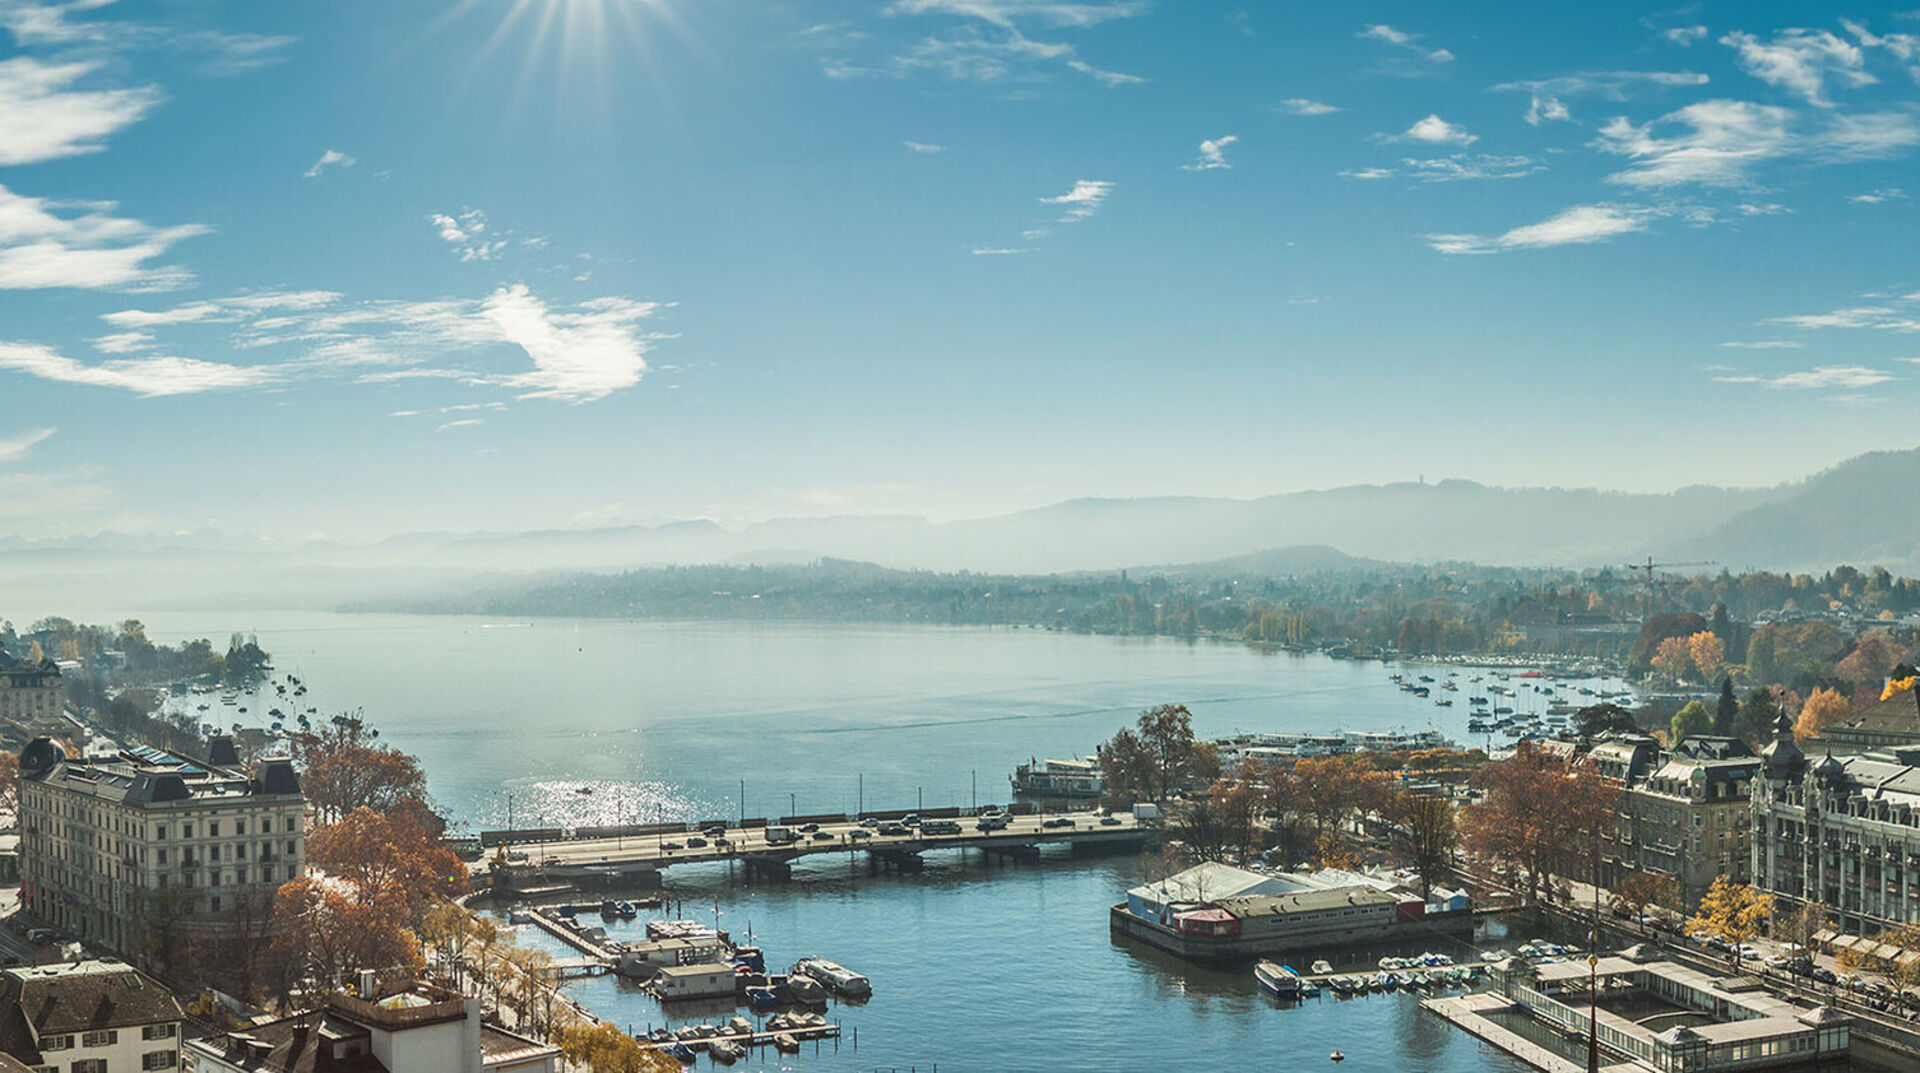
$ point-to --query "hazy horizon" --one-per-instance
(496, 265)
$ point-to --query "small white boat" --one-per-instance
(1322, 967)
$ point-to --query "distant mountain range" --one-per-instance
(1861, 512)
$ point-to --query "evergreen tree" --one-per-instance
(1728, 713)
(1757, 714)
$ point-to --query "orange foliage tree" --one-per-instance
(398, 850)
(1539, 816)
(1674, 657)
(346, 766)
(326, 929)
(1706, 652)
(1823, 708)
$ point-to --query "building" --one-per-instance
(1701, 1022)
(1218, 912)
(104, 838)
(1841, 830)
(708, 980)
(88, 1017)
(1682, 813)
(1891, 724)
(29, 689)
(412, 1030)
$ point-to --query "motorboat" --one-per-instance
(1277, 979)
(807, 990)
(1323, 967)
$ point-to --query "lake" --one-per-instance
(975, 967)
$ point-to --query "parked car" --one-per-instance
(1824, 975)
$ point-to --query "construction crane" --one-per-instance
(1652, 578)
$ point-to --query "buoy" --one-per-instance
(1336, 1057)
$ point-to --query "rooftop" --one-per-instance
(80, 996)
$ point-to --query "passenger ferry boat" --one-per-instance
(1277, 979)
(1059, 778)
(834, 975)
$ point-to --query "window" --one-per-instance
(158, 1060)
(90, 1065)
(166, 1031)
(57, 1043)
(213, 828)
(160, 832)
(266, 825)
(99, 1039)
(186, 830)
(213, 904)
(239, 827)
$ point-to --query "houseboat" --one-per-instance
(1059, 778)
(1276, 979)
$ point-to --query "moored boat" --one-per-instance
(1277, 979)
(834, 975)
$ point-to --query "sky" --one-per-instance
(307, 269)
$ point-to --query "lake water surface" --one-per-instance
(974, 967)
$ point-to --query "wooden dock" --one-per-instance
(756, 1038)
(553, 926)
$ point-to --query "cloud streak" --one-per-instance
(43, 117)
(15, 448)
(46, 244)
(1083, 200)
(332, 158)
(1579, 225)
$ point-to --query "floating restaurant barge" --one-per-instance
(1215, 912)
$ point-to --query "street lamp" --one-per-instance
(793, 805)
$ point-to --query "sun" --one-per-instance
(575, 39)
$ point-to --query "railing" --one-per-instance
(1611, 1036)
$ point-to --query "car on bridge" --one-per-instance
(940, 827)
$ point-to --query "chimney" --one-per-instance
(368, 989)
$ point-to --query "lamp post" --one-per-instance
(861, 807)
(793, 804)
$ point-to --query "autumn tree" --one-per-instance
(400, 850)
(1674, 658)
(1322, 792)
(1800, 926)
(1690, 721)
(1823, 708)
(603, 1048)
(1638, 889)
(347, 767)
(1538, 816)
(1221, 824)
(1874, 654)
(1733, 911)
(1706, 652)
(1432, 835)
(1157, 756)
(325, 930)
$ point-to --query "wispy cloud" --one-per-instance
(1432, 131)
(1000, 251)
(1083, 200)
(1546, 110)
(1433, 58)
(1766, 344)
(1903, 48)
(464, 422)
(1684, 36)
(1470, 166)
(45, 244)
(1368, 174)
(466, 232)
(1875, 197)
(1303, 106)
(1801, 62)
(1722, 143)
(1213, 154)
(924, 147)
(1820, 378)
(14, 448)
(1899, 313)
(332, 158)
(148, 377)
(1579, 225)
(123, 342)
(43, 117)
(988, 39)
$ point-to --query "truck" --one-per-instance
(778, 835)
(992, 821)
(1146, 812)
